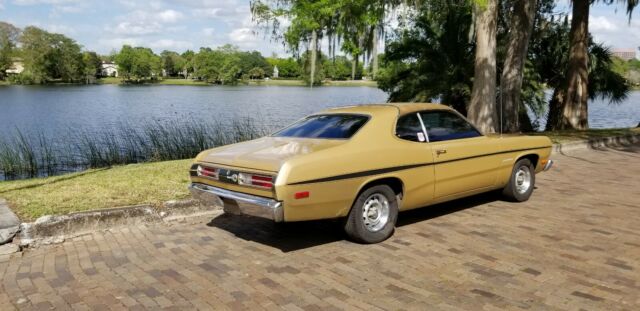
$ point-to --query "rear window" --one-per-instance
(336, 126)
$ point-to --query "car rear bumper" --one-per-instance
(239, 203)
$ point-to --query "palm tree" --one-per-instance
(570, 105)
(482, 109)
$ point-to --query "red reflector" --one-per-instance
(301, 195)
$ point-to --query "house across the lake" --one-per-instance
(626, 54)
(109, 69)
(17, 67)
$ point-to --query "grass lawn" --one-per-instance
(109, 80)
(152, 183)
(182, 82)
(568, 136)
(149, 183)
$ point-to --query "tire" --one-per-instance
(521, 183)
(381, 205)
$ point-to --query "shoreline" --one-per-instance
(189, 82)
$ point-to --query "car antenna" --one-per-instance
(500, 99)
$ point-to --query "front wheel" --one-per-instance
(373, 216)
(522, 181)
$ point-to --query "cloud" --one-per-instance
(35, 2)
(170, 16)
(601, 23)
(140, 23)
(208, 31)
(170, 44)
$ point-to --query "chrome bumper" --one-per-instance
(548, 165)
(239, 203)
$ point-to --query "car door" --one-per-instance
(413, 148)
(463, 157)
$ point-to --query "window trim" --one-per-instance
(367, 116)
(456, 113)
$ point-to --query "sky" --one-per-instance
(104, 26)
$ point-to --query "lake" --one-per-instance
(57, 109)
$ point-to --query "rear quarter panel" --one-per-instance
(334, 177)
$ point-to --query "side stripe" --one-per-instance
(403, 167)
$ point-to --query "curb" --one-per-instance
(55, 229)
(596, 143)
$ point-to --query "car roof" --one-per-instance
(400, 108)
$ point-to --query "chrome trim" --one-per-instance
(548, 165)
(239, 203)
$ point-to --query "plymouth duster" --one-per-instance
(365, 164)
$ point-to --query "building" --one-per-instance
(16, 68)
(109, 69)
(626, 54)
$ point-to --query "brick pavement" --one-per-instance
(575, 245)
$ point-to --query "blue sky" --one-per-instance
(103, 26)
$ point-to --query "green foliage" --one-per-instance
(550, 60)
(227, 65)
(137, 64)
(172, 63)
(49, 56)
(8, 40)
(433, 59)
(339, 68)
(91, 64)
(287, 67)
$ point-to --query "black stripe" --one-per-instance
(490, 154)
(404, 167)
(362, 174)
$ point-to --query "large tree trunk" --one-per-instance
(511, 81)
(353, 67)
(571, 111)
(314, 56)
(374, 52)
(482, 108)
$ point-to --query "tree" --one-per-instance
(310, 20)
(172, 63)
(569, 110)
(521, 26)
(8, 39)
(482, 108)
(433, 59)
(136, 64)
(91, 66)
(256, 73)
(48, 56)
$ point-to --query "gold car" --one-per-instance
(367, 163)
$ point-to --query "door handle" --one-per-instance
(441, 151)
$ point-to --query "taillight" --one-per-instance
(259, 181)
(207, 172)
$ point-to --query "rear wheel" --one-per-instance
(522, 181)
(373, 216)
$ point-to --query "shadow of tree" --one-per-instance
(56, 180)
(289, 237)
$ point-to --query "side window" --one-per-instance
(444, 125)
(409, 128)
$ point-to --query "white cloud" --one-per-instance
(170, 16)
(34, 2)
(169, 44)
(601, 23)
(208, 31)
(242, 35)
(117, 43)
(138, 28)
(57, 28)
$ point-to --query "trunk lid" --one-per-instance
(267, 153)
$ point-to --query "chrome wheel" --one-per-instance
(523, 179)
(375, 212)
